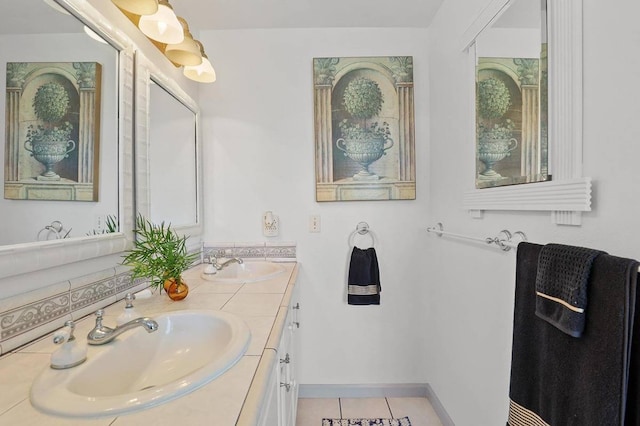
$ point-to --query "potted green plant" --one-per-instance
(494, 133)
(161, 255)
(111, 226)
(50, 142)
(362, 142)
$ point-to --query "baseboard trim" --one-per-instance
(438, 407)
(404, 390)
(363, 391)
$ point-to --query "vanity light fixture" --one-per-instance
(187, 52)
(183, 51)
(138, 7)
(203, 73)
(163, 26)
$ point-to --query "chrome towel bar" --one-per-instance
(505, 239)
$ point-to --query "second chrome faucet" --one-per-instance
(220, 266)
(102, 334)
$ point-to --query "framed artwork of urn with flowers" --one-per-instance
(52, 131)
(364, 128)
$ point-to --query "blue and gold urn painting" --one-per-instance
(52, 128)
(364, 128)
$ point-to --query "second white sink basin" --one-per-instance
(246, 272)
(139, 369)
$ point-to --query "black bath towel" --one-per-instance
(561, 286)
(364, 278)
(558, 380)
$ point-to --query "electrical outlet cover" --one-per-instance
(270, 225)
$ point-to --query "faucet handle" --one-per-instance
(129, 298)
(65, 334)
(99, 313)
(71, 353)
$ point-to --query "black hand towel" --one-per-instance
(561, 286)
(562, 381)
(364, 278)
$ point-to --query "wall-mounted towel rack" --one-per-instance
(362, 228)
(56, 229)
(505, 239)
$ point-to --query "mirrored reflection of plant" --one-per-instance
(111, 226)
(498, 131)
(493, 103)
(494, 98)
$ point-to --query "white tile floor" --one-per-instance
(311, 411)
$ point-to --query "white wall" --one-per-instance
(470, 287)
(259, 155)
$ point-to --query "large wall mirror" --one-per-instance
(167, 151)
(68, 78)
(507, 57)
(511, 97)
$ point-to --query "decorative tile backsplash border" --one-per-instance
(275, 252)
(28, 316)
(280, 252)
(34, 314)
(90, 294)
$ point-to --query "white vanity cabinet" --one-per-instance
(288, 361)
(270, 413)
(274, 392)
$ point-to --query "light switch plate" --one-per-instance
(314, 223)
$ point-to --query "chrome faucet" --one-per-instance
(219, 266)
(102, 334)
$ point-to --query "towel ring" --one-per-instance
(56, 228)
(362, 228)
(50, 230)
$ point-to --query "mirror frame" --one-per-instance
(568, 194)
(30, 257)
(146, 71)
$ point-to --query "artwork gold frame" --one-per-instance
(52, 131)
(364, 128)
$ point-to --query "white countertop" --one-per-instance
(219, 403)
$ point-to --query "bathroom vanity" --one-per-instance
(260, 389)
(69, 275)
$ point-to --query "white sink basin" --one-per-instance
(247, 272)
(140, 370)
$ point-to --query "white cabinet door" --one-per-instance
(288, 359)
(270, 413)
(294, 363)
